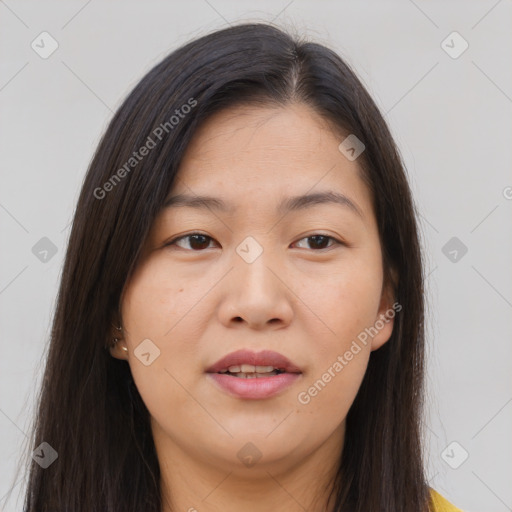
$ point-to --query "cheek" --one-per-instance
(347, 304)
(340, 358)
(156, 300)
(160, 307)
(329, 392)
(346, 301)
(355, 303)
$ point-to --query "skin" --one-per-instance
(198, 300)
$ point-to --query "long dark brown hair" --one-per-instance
(89, 410)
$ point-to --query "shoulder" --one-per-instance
(441, 504)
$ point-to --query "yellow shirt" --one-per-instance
(441, 504)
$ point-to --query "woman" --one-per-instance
(239, 324)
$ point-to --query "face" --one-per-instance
(303, 279)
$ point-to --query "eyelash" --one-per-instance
(335, 240)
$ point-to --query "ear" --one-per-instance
(119, 350)
(388, 308)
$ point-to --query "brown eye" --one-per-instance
(319, 242)
(197, 241)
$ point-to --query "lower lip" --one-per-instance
(257, 388)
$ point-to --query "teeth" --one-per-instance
(250, 371)
(249, 368)
(254, 375)
(264, 369)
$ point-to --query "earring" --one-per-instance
(114, 344)
(115, 340)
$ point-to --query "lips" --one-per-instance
(250, 375)
(246, 357)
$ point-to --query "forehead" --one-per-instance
(248, 156)
(294, 131)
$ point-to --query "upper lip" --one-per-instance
(263, 358)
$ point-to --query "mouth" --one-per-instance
(250, 375)
(249, 371)
(248, 364)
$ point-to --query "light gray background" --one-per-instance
(451, 118)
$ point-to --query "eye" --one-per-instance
(319, 240)
(198, 241)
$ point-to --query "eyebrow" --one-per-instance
(289, 204)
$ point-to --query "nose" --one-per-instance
(257, 293)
